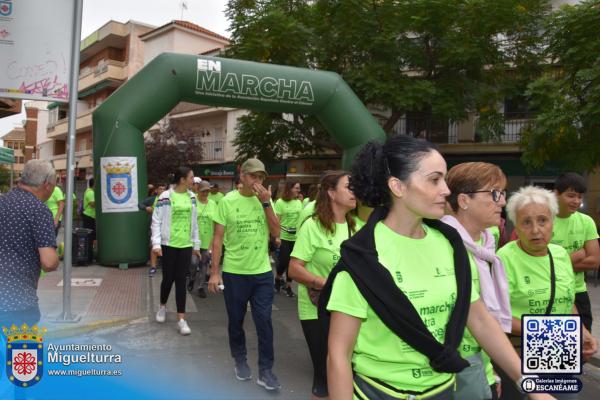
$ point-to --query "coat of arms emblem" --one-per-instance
(118, 182)
(24, 354)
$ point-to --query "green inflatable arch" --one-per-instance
(119, 124)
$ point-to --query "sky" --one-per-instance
(206, 13)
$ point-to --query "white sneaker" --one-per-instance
(183, 327)
(161, 314)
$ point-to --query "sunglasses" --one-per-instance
(496, 194)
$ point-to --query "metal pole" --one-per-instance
(66, 315)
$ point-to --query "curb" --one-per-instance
(92, 326)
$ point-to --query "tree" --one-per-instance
(163, 154)
(4, 178)
(442, 59)
(567, 96)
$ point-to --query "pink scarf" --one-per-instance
(492, 281)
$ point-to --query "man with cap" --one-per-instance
(243, 222)
(214, 194)
(206, 210)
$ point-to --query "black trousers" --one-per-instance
(317, 347)
(175, 265)
(284, 257)
(582, 301)
(89, 223)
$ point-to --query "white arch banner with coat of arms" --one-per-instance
(118, 183)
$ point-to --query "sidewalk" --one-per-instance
(120, 309)
(100, 296)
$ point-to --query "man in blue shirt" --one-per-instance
(27, 243)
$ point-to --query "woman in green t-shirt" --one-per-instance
(529, 261)
(406, 268)
(476, 200)
(288, 209)
(175, 238)
(315, 253)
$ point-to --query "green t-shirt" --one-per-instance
(305, 201)
(529, 280)
(320, 250)
(54, 199)
(246, 234)
(288, 213)
(572, 233)
(495, 231)
(216, 197)
(206, 228)
(359, 223)
(88, 197)
(181, 217)
(469, 346)
(424, 270)
(306, 212)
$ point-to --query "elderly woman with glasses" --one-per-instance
(540, 274)
(476, 201)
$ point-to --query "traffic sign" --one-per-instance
(7, 156)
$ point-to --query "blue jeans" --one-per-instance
(258, 290)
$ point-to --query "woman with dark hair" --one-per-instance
(316, 252)
(313, 189)
(401, 294)
(288, 209)
(175, 238)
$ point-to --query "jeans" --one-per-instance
(258, 290)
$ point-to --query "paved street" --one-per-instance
(120, 311)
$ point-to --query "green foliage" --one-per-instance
(4, 178)
(440, 57)
(567, 96)
(162, 153)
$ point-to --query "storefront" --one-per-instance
(224, 174)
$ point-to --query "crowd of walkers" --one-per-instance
(422, 299)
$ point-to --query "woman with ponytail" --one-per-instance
(175, 238)
(401, 295)
(315, 253)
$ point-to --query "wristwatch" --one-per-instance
(266, 204)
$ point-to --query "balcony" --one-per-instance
(59, 129)
(213, 151)
(108, 70)
(83, 159)
(509, 129)
(435, 131)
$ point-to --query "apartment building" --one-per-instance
(109, 57)
(15, 139)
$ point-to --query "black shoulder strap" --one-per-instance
(359, 258)
(552, 284)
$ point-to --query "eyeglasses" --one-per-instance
(496, 194)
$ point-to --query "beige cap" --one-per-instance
(204, 186)
(253, 165)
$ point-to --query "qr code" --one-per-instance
(551, 344)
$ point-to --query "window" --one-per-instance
(8, 144)
(517, 107)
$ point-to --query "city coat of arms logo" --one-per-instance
(6, 8)
(118, 182)
(24, 354)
